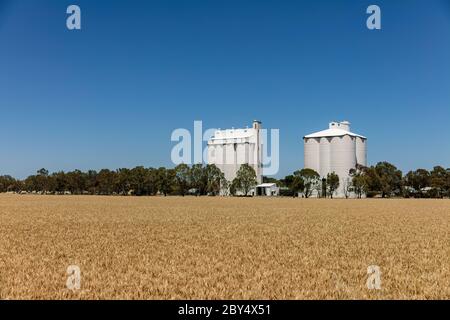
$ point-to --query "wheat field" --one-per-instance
(222, 248)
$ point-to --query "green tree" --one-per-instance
(199, 179)
(225, 187)
(310, 180)
(234, 187)
(447, 183)
(389, 179)
(166, 180)
(152, 181)
(270, 180)
(347, 187)
(60, 182)
(123, 181)
(106, 180)
(215, 179)
(76, 181)
(298, 185)
(31, 184)
(182, 178)
(294, 183)
(322, 188)
(8, 183)
(245, 179)
(91, 182)
(139, 181)
(40, 182)
(371, 181)
(418, 180)
(438, 181)
(358, 183)
(287, 181)
(332, 183)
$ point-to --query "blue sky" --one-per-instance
(110, 95)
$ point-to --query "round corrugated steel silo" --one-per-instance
(312, 153)
(324, 156)
(339, 150)
(361, 151)
(343, 155)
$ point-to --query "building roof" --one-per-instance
(336, 129)
(267, 185)
(333, 133)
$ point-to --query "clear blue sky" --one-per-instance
(110, 95)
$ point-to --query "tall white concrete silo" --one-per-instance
(336, 149)
(230, 148)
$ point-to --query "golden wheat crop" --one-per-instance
(222, 248)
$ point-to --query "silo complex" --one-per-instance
(229, 149)
(336, 149)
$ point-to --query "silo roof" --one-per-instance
(333, 133)
(233, 134)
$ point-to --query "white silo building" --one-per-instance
(229, 149)
(336, 149)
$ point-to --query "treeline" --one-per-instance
(382, 180)
(140, 181)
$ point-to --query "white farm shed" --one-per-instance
(267, 189)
